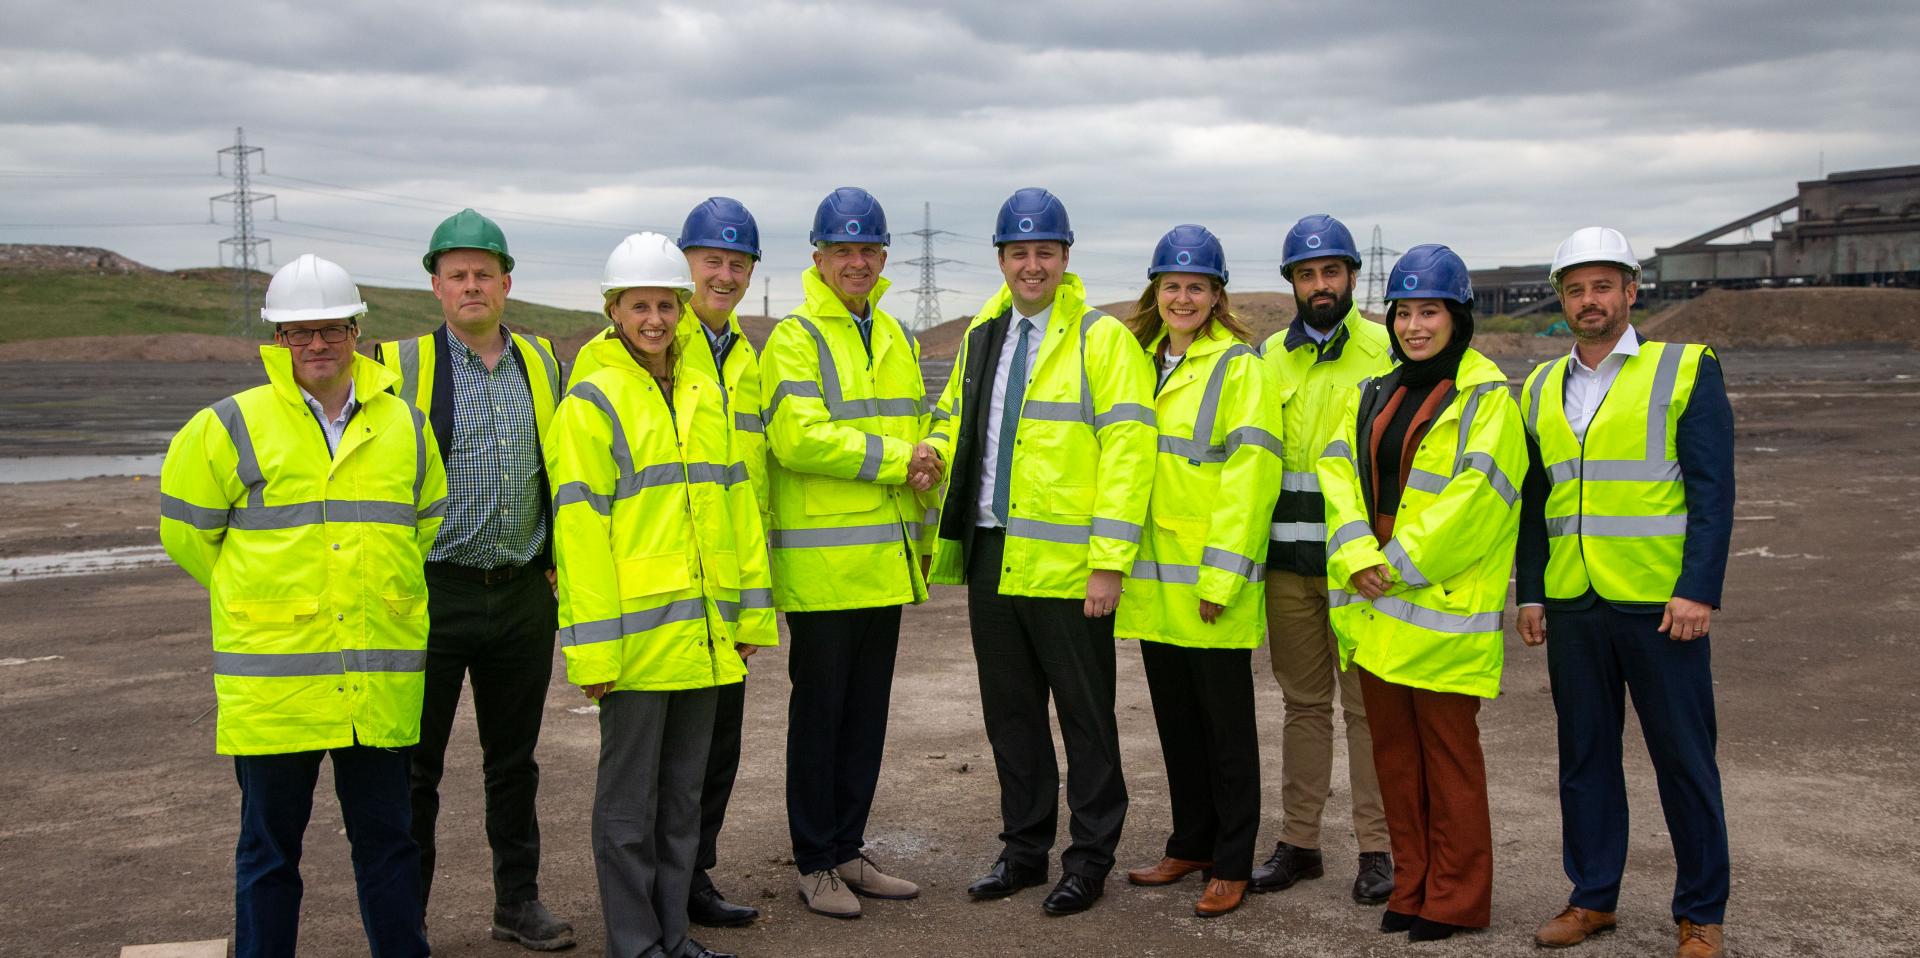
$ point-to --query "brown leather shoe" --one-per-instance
(1222, 896)
(1572, 927)
(1165, 872)
(1700, 941)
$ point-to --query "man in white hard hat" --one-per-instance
(1626, 516)
(310, 542)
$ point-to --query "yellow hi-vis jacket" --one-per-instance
(418, 362)
(1319, 380)
(1083, 470)
(657, 535)
(1451, 555)
(1216, 477)
(741, 377)
(313, 562)
(847, 531)
(1616, 506)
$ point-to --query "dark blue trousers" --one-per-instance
(276, 800)
(1593, 656)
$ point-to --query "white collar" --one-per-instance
(1039, 319)
(315, 405)
(1627, 345)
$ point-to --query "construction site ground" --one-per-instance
(119, 819)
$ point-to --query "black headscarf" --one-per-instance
(1424, 373)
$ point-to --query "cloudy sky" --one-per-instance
(1495, 126)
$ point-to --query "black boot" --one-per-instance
(1288, 864)
(1373, 885)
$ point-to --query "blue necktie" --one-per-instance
(1010, 421)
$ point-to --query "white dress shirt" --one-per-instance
(1587, 386)
(997, 404)
(337, 428)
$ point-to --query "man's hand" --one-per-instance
(597, 690)
(1209, 611)
(924, 470)
(1372, 583)
(1103, 593)
(746, 651)
(1533, 625)
(1685, 619)
(553, 579)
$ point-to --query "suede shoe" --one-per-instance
(1700, 941)
(866, 878)
(1166, 871)
(1573, 926)
(710, 909)
(532, 925)
(1222, 896)
(824, 894)
(1074, 894)
(1373, 884)
(1004, 879)
(1287, 864)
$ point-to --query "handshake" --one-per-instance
(924, 469)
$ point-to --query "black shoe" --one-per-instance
(532, 925)
(1393, 922)
(1004, 879)
(1074, 894)
(709, 909)
(1374, 884)
(1426, 930)
(693, 949)
(1289, 864)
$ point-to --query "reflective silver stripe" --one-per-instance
(1347, 533)
(247, 465)
(716, 473)
(1046, 410)
(756, 598)
(1338, 449)
(588, 633)
(1124, 412)
(1048, 531)
(261, 665)
(385, 660)
(434, 510)
(572, 492)
(409, 352)
(1431, 482)
(1165, 572)
(547, 360)
(679, 610)
(882, 534)
(1298, 532)
(419, 451)
(1566, 470)
(1230, 562)
(791, 387)
(748, 422)
(1617, 526)
(1661, 398)
(1496, 478)
(199, 517)
(1402, 563)
(1210, 400)
(659, 474)
(941, 415)
(361, 510)
(262, 518)
(1087, 319)
(868, 408)
(1192, 449)
(1339, 597)
(1622, 470)
(1466, 420)
(1395, 607)
(829, 374)
(1115, 529)
(876, 455)
(936, 437)
(622, 455)
(1254, 436)
(1558, 526)
(1533, 394)
(1300, 481)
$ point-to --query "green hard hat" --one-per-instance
(468, 230)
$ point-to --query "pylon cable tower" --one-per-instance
(244, 245)
(1377, 268)
(926, 304)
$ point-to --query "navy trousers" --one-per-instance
(841, 666)
(276, 800)
(1593, 656)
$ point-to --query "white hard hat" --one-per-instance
(650, 260)
(311, 288)
(1594, 244)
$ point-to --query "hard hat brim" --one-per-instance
(1002, 239)
(273, 315)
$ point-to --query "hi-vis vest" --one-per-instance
(847, 531)
(1451, 555)
(313, 563)
(1083, 473)
(1217, 475)
(656, 532)
(1318, 381)
(417, 363)
(1616, 508)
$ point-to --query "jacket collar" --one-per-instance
(823, 303)
(1069, 299)
(1216, 340)
(370, 378)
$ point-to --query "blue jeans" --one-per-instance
(276, 800)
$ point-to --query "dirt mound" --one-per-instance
(27, 257)
(1820, 316)
(173, 348)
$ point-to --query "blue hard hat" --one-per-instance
(721, 223)
(849, 215)
(1189, 249)
(1430, 271)
(1316, 236)
(1032, 214)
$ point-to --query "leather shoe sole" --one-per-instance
(993, 889)
(557, 943)
(1597, 932)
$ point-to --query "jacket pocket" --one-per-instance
(831, 497)
(405, 606)
(653, 575)
(1071, 499)
(273, 612)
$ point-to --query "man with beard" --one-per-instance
(1321, 356)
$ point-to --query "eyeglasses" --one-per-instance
(336, 333)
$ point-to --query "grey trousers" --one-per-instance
(646, 813)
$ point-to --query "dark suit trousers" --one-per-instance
(501, 635)
(1594, 655)
(1027, 649)
(841, 667)
(723, 766)
(1203, 708)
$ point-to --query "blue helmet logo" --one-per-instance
(1410, 281)
(1185, 258)
(853, 227)
(730, 234)
(1313, 242)
(1026, 224)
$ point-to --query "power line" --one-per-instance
(244, 243)
(926, 305)
(1377, 254)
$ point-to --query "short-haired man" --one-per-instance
(306, 507)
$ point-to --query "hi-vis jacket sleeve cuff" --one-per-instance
(592, 665)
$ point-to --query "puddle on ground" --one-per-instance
(85, 562)
(63, 468)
